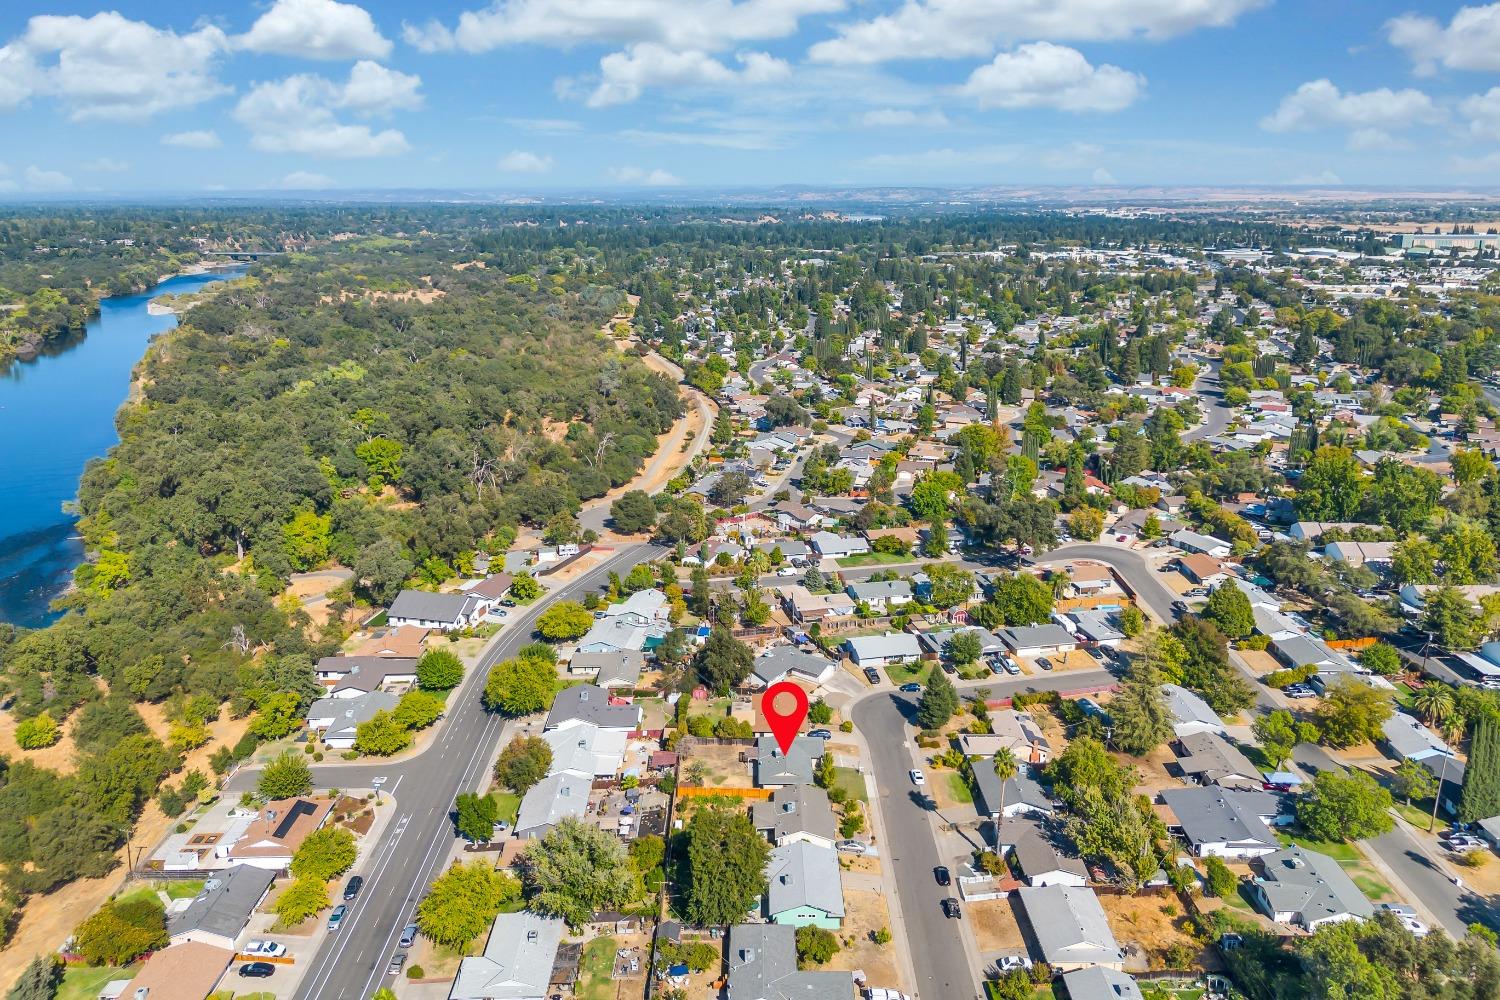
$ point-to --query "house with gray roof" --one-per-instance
(1070, 928)
(1208, 545)
(1097, 627)
(1041, 863)
(1021, 793)
(832, 546)
(1223, 822)
(518, 960)
(779, 663)
(1210, 759)
(590, 703)
(882, 596)
(796, 813)
(337, 720)
(445, 612)
(219, 913)
(1100, 983)
(1405, 738)
(352, 676)
(1038, 640)
(618, 668)
(1190, 713)
(883, 650)
(804, 888)
(1308, 889)
(547, 803)
(763, 966)
(795, 767)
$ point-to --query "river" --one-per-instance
(57, 412)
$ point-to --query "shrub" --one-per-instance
(303, 898)
(1221, 881)
(38, 733)
(414, 972)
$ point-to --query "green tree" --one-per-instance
(564, 622)
(524, 761)
(1279, 733)
(577, 869)
(634, 512)
(1413, 781)
(938, 702)
(524, 587)
(1142, 720)
(1221, 881)
(1383, 659)
(382, 458)
(520, 686)
(725, 875)
(475, 817)
(1132, 622)
(40, 980)
(325, 854)
(723, 662)
(1352, 712)
(1467, 551)
(381, 735)
(1414, 560)
(1229, 608)
(1006, 767)
(463, 902)
(1023, 599)
(285, 777)
(38, 732)
(1481, 794)
(1332, 486)
(380, 569)
(418, 709)
(1434, 703)
(122, 931)
(305, 539)
(439, 670)
(1342, 807)
(303, 898)
(815, 945)
(1446, 613)
(932, 495)
(963, 648)
(951, 585)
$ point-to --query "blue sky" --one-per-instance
(548, 95)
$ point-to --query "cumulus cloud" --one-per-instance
(1483, 114)
(927, 29)
(519, 161)
(304, 180)
(1044, 75)
(903, 118)
(624, 76)
(710, 25)
(298, 114)
(1373, 114)
(110, 67)
(641, 177)
(316, 29)
(37, 179)
(198, 139)
(1470, 41)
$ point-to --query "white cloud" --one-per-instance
(107, 165)
(1486, 164)
(678, 24)
(1102, 176)
(316, 29)
(903, 118)
(1373, 114)
(298, 114)
(624, 76)
(519, 161)
(945, 160)
(641, 177)
(304, 180)
(1470, 41)
(1483, 113)
(1044, 75)
(1071, 156)
(922, 29)
(199, 139)
(110, 67)
(547, 126)
(37, 179)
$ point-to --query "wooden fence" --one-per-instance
(733, 791)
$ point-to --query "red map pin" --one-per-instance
(785, 706)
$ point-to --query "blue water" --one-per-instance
(57, 412)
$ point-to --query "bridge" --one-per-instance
(245, 254)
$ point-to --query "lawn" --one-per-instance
(1353, 862)
(851, 781)
(182, 890)
(509, 804)
(1154, 991)
(874, 559)
(1042, 992)
(904, 673)
(83, 982)
(1415, 815)
(594, 974)
(958, 787)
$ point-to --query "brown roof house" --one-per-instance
(186, 971)
(274, 836)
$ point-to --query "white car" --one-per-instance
(1009, 963)
(917, 777)
(264, 949)
(787, 571)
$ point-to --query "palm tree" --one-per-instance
(1005, 769)
(1435, 702)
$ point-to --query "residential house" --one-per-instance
(1070, 928)
(1373, 554)
(796, 813)
(638, 623)
(337, 720)
(1307, 889)
(443, 612)
(1099, 983)
(558, 796)
(352, 676)
(883, 650)
(881, 596)
(517, 963)
(805, 607)
(586, 749)
(1405, 738)
(1041, 863)
(619, 668)
(1210, 759)
(1190, 713)
(1096, 628)
(1038, 640)
(1091, 579)
(1193, 542)
(831, 546)
(1223, 822)
(1311, 531)
(795, 767)
(1020, 795)
(804, 887)
(219, 913)
(589, 703)
(1012, 730)
(405, 641)
(763, 966)
(280, 827)
(1205, 571)
(190, 969)
(783, 662)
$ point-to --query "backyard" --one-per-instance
(595, 970)
(83, 982)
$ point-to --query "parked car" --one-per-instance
(942, 875)
(408, 936)
(336, 918)
(397, 961)
(820, 734)
(1009, 963)
(787, 571)
(269, 949)
(872, 675)
(1298, 691)
(852, 846)
(1044, 663)
(951, 909)
(257, 970)
(351, 889)
(917, 777)
(911, 687)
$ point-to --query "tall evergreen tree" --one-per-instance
(1481, 798)
(939, 701)
(1229, 608)
(1142, 719)
(39, 982)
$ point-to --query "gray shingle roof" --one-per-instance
(1021, 787)
(763, 966)
(1070, 926)
(801, 874)
(1099, 983)
(427, 606)
(517, 960)
(1214, 760)
(1036, 856)
(1311, 886)
(552, 800)
(795, 809)
(778, 661)
(1221, 816)
(795, 767)
(590, 703)
(1030, 636)
(225, 904)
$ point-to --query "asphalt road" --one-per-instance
(941, 965)
(350, 964)
(1211, 394)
